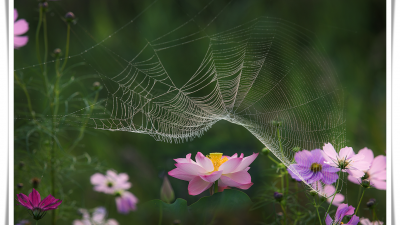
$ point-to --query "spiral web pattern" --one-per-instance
(258, 74)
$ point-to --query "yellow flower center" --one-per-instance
(217, 159)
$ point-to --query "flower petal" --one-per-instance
(204, 162)
(381, 175)
(354, 220)
(378, 164)
(378, 184)
(54, 205)
(354, 180)
(20, 41)
(15, 14)
(328, 219)
(245, 186)
(339, 198)
(303, 158)
(24, 200)
(181, 175)
(191, 168)
(329, 178)
(230, 165)
(47, 201)
(330, 151)
(355, 173)
(34, 198)
(242, 177)
(98, 179)
(20, 27)
(346, 153)
(212, 177)
(368, 154)
(246, 162)
(198, 185)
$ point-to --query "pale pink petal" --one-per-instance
(339, 198)
(111, 174)
(355, 173)
(233, 156)
(99, 215)
(246, 162)
(212, 177)
(354, 180)
(381, 175)
(330, 151)
(360, 165)
(241, 155)
(329, 190)
(378, 164)
(346, 153)
(368, 154)
(245, 186)
(15, 14)
(378, 184)
(180, 174)
(231, 183)
(123, 177)
(181, 160)
(98, 179)
(112, 222)
(241, 177)
(21, 27)
(77, 222)
(204, 162)
(189, 160)
(20, 41)
(198, 185)
(191, 168)
(230, 165)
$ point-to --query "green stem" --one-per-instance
(374, 215)
(284, 213)
(28, 98)
(36, 222)
(287, 182)
(66, 48)
(315, 205)
(37, 37)
(282, 183)
(46, 48)
(280, 143)
(362, 195)
(337, 186)
(273, 160)
(216, 186)
(161, 215)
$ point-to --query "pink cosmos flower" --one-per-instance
(20, 27)
(377, 173)
(98, 218)
(37, 206)
(228, 171)
(111, 182)
(365, 221)
(342, 210)
(328, 191)
(126, 202)
(346, 160)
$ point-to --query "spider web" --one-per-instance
(254, 74)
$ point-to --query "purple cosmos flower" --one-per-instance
(37, 206)
(376, 174)
(98, 218)
(23, 222)
(311, 167)
(327, 192)
(20, 27)
(126, 202)
(365, 221)
(111, 182)
(346, 160)
(343, 210)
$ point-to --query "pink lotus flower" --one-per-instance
(37, 206)
(20, 27)
(111, 182)
(327, 192)
(126, 202)
(346, 160)
(365, 221)
(98, 218)
(342, 210)
(228, 171)
(377, 173)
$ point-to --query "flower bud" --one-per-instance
(167, 193)
(35, 182)
(278, 196)
(21, 164)
(97, 86)
(70, 17)
(20, 185)
(371, 203)
(276, 123)
(280, 214)
(313, 193)
(281, 166)
(296, 149)
(57, 52)
(366, 183)
(265, 151)
(44, 6)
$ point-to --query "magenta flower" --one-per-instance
(365, 221)
(23, 222)
(327, 192)
(376, 174)
(346, 160)
(98, 218)
(37, 206)
(20, 27)
(228, 171)
(111, 182)
(342, 210)
(126, 202)
(311, 167)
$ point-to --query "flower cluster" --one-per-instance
(225, 170)
(98, 218)
(117, 185)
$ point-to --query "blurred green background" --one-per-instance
(353, 34)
